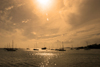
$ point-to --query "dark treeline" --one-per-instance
(93, 46)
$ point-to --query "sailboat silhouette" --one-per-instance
(62, 48)
(35, 47)
(44, 48)
(11, 48)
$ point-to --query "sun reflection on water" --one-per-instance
(50, 54)
(46, 59)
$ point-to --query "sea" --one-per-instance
(50, 58)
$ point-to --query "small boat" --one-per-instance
(27, 48)
(57, 49)
(71, 48)
(44, 48)
(52, 49)
(61, 49)
(35, 49)
(77, 48)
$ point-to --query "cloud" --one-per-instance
(81, 12)
(9, 8)
(19, 5)
(25, 21)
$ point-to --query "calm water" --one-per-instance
(69, 58)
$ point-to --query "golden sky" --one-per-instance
(49, 22)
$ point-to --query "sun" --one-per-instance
(43, 2)
(44, 5)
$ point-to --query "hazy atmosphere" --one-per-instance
(51, 22)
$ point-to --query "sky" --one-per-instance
(49, 22)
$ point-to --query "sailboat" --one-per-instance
(44, 48)
(52, 47)
(11, 48)
(62, 48)
(72, 47)
(57, 48)
(28, 48)
(35, 47)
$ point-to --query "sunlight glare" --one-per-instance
(43, 2)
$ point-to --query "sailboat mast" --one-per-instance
(36, 44)
(62, 44)
(57, 44)
(72, 46)
(9, 45)
(12, 43)
(44, 44)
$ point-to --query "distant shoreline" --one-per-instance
(93, 46)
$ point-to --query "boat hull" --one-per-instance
(11, 49)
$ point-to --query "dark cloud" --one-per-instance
(86, 11)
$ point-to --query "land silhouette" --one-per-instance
(92, 46)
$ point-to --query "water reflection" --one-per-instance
(46, 59)
(42, 54)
